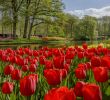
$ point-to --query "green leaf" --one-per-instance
(107, 92)
(12, 97)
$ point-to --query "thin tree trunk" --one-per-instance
(14, 27)
(26, 26)
(30, 29)
(26, 19)
(15, 17)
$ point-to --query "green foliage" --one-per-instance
(47, 17)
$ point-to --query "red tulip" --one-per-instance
(58, 62)
(90, 55)
(45, 53)
(84, 45)
(101, 74)
(91, 92)
(11, 59)
(78, 88)
(35, 53)
(105, 51)
(16, 74)
(25, 68)
(53, 77)
(28, 85)
(32, 68)
(34, 61)
(56, 52)
(105, 62)
(80, 73)
(68, 61)
(62, 93)
(49, 53)
(88, 64)
(42, 60)
(69, 55)
(4, 57)
(95, 61)
(82, 65)
(63, 73)
(80, 55)
(8, 69)
(7, 88)
(48, 64)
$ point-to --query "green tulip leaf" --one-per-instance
(108, 91)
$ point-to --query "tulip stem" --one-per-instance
(7, 97)
(28, 98)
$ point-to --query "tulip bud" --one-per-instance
(8, 69)
(16, 74)
(78, 88)
(101, 74)
(7, 88)
(80, 73)
(91, 92)
(28, 85)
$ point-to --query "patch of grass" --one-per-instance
(33, 40)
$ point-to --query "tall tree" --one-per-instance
(13, 6)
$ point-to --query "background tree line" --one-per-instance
(46, 17)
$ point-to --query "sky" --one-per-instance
(96, 8)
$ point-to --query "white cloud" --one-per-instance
(105, 11)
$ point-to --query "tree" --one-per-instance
(71, 24)
(12, 6)
(87, 27)
(41, 9)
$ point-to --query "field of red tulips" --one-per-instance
(68, 73)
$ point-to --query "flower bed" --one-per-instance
(68, 73)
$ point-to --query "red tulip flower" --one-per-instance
(105, 51)
(7, 88)
(35, 53)
(28, 85)
(84, 45)
(70, 55)
(62, 93)
(105, 62)
(25, 68)
(78, 88)
(95, 61)
(16, 74)
(48, 64)
(80, 55)
(58, 62)
(91, 92)
(88, 65)
(53, 77)
(82, 65)
(32, 68)
(8, 69)
(63, 73)
(101, 74)
(56, 52)
(42, 60)
(80, 73)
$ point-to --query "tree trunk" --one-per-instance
(26, 19)
(15, 17)
(26, 26)
(14, 27)
(30, 29)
